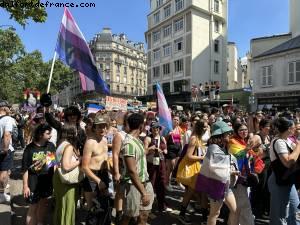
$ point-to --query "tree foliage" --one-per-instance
(22, 10)
(21, 70)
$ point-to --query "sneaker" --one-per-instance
(190, 208)
(168, 210)
(169, 188)
(4, 198)
(184, 220)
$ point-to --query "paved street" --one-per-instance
(19, 207)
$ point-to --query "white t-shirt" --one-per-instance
(6, 125)
(280, 147)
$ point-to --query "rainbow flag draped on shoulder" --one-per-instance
(74, 51)
(165, 119)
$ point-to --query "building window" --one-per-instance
(132, 81)
(294, 72)
(166, 69)
(178, 25)
(125, 70)
(266, 76)
(217, 6)
(177, 86)
(118, 68)
(156, 54)
(107, 77)
(216, 66)
(216, 45)
(156, 36)
(178, 45)
(217, 26)
(156, 72)
(178, 66)
(118, 88)
(118, 78)
(167, 50)
(125, 79)
(125, 89)
(166, 87)
(178, 5)
(159, 3)
(167, 30)
(132, 90)
(156, 17)
(167, 11)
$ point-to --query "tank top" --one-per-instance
(60, 151)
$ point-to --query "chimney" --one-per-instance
(295, 17)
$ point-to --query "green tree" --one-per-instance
(21, 70)
(23, 10)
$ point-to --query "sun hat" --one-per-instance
(220, 127)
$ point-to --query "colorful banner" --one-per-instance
(113, 103)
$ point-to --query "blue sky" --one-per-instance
(247, 19)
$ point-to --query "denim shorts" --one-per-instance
(6, 161)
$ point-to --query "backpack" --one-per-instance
(14, 133)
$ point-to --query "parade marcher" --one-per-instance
(66, 195)
(94, 160)
(174, 146)
(118, 166)
(20, 124)
(195, 153)
(284, 196)
(239, 146)
(188, 133)
(6, 148)
(217, 153)
(139, 194)
(156, 148)
(253, 122)
(260, 196)
(72, 115)
(38, 166)
(201, 90)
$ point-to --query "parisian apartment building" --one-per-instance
(237, 76)
(122, 62)
(275, 65)
(187, 44)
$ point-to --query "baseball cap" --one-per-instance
(100, 119)
(155, 125)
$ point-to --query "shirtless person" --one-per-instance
(94, 161)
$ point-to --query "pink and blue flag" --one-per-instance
(74, 51)
(165, 119)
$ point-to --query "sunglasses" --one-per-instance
(241, 130)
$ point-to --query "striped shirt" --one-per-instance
(133, 147)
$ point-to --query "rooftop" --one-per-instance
(291, 44)
(273, 36)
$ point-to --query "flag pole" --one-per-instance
(51, 72)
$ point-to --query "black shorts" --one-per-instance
(91, 186)
(6, 161)
(173, 151)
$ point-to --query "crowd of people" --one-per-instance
(239, 165)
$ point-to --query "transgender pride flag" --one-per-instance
(164, 114)
(74, 51)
